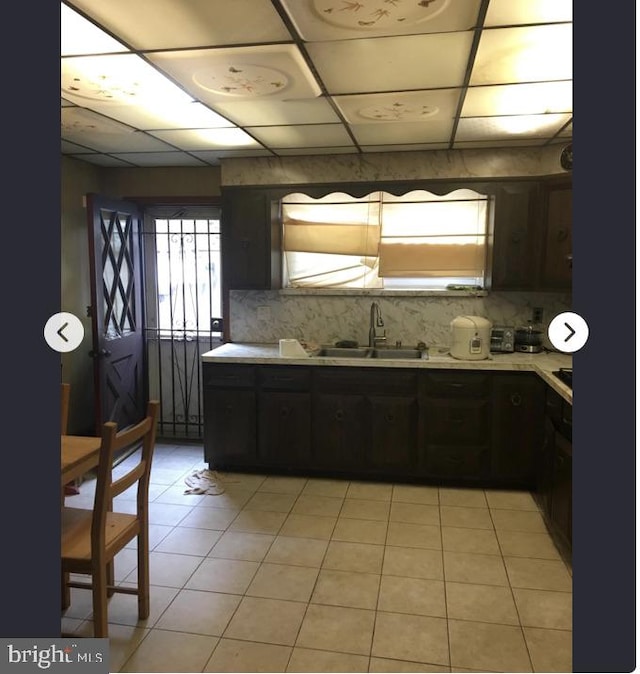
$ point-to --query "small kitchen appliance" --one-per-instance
(502, 339)
(528, 339)
(470, 337)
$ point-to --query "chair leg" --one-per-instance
(110, 579)
(143, 575)
(65, 593)
(99, 591)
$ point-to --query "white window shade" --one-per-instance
(341, 241)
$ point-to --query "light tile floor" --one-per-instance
(289, 574)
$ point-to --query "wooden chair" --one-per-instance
(92, 538)
(65, 394)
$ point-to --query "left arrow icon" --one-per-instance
(64, 332)
(60, 332)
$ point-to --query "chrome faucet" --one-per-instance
(375, 321)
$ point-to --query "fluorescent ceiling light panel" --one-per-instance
(80, 36)
(121, 78)
(205, 139)
(532, 126)
(517, 12)
(518, 99)
(527, 54)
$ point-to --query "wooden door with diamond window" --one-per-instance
(116, 311)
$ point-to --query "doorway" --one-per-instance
(183, 310)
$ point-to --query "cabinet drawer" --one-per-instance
(454, 462)
(457, 384)
(290, 378)
(454, 422)
(361, 381)
(229, 376)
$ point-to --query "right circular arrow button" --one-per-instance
(568, 332)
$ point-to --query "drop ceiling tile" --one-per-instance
(102, 134)
(269, 113)
(302, 135)
(276, 72)
(210, 155)
(412, 147)
(513, 127)
(380, 109)
(166, 24)
(101, 160)
(189, 115)
(434, 131)
(311, 151)
(159, 158)
(319, 20)
(480, 144)
(206, 139)
(392, 63)
(73, 148)
(528, 54)
(518, 99)
(515, 12)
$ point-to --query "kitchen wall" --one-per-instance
(325, 319)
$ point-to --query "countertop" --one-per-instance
(269, 354)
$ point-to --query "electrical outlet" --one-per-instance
(537, 314)
(264, 313)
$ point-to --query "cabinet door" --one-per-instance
(229, 427)
(557, 262)
(284, 429)
(561, 491)
(517, 426)
(515, 240)
(250, 241)
(394, 428)
(340, 431)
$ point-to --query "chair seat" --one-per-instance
(76, 533)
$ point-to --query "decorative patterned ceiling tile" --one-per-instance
(415, 106)
(244, 73)
(319, 20)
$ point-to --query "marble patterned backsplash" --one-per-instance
(268, 316)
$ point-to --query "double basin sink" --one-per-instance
(372, 352)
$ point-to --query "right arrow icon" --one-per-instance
(572, 332)
(578, 332)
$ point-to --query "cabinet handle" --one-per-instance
(455, 384)
(390, 418)
(339, 415)
(563, 234)
(516, 399)
(284, 412)
(244, 243)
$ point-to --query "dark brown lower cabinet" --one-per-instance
(518, 411)
(467, 427)
(555, 482)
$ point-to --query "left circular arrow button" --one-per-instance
(64, 332)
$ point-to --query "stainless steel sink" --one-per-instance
(343, 352)
(400, 353)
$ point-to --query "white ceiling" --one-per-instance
(294, 77)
